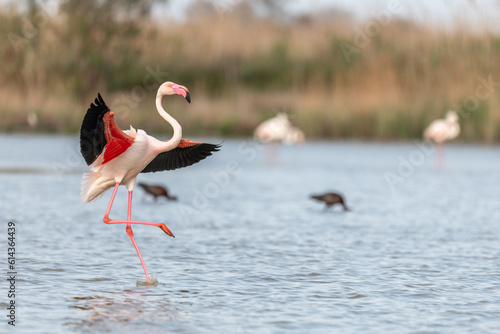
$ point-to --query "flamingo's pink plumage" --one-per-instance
(117, 157)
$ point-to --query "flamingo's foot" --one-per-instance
(153, 281)
(165, 229)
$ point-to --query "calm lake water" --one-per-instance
(418, 253)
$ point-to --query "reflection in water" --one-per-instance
(115, 311)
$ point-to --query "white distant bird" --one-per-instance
(276, 130)
(279, 129)
(32, 119)
(442, 130)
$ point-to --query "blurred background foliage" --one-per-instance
(242, 66)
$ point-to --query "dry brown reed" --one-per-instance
(243, 70)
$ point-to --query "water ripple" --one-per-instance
(260, 256)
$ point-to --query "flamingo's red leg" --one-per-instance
(162, 226)
(272, 152)
(131, 235)
(440, 154)
(107, 220)
(106, 215)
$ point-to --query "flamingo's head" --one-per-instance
(171, 88)
(451, 117)
(282, 116)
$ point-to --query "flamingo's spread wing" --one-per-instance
(92, 139)
(117, 140)
(99, 133)
(185, 154)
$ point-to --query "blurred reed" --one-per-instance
(242, 69)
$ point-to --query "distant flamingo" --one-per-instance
(442, 130)
(157, 191)
(117, 157)
(279, 129)
(331, 199)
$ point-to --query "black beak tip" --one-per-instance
(188, 97)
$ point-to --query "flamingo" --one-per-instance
(117, 157)
(331, 199)
(157, 191)
(279, 129)
(276, 130)
(442, 130)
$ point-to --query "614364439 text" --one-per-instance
(11, 273)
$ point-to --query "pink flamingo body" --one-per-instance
(117, 157)
(279, 129)
(442, 130)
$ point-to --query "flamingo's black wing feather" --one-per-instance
(92, 138)
(180, 157)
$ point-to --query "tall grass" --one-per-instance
(243, 70)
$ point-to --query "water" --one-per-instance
(418, 253)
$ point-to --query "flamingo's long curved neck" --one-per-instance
(176, 137)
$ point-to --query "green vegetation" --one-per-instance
(242, 69)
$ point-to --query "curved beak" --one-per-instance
(183, 91)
